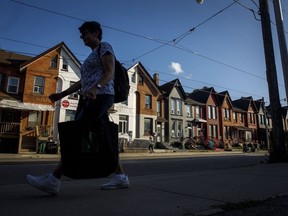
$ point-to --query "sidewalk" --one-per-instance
(126, 155)
(185, 194)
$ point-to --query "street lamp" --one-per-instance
(199, 1)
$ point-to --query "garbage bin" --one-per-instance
(51, 147)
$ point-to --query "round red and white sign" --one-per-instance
(65, 103)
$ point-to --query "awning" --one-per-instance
(198, 120)
(242, 128)
(160, 119)
(13, 104)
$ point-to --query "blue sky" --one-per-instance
(224, 50)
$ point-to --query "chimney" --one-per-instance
(156, 78)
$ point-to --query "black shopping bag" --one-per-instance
(88, 153)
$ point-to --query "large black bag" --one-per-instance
(86, 153)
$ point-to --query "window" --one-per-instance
(173, 128)
(147, 126)
(158, 108)
(54, 62)
(251, 117)
(148, 101)
(213, 132)
(140, 81)
(179, 128)
(38, 85)
(179, 107)
(176, 106)
(176, 128)
(197, 112)
(212, 112)
(226, 114)
(261, 119)
(235, 116)
(241, 117)
(13, 85)
(70, 115)
(133, 78)
(34, 118)
(173, 106)
(227, 132)
(188, 110)
(64, 64)
(74, 95)
(123, 124)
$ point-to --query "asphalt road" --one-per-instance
(141, 170)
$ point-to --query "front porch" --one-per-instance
(15, 140)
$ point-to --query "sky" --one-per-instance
(216, 44)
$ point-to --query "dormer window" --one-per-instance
(54, 62)
(65, 64)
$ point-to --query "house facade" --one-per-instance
(24, 98)
(248, 118)
(165, 112)
(175, 113)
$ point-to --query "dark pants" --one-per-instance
(94, 112)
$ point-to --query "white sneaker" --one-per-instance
(47, 183)
(117, 182)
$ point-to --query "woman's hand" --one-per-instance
(56, 96)
(90, 93)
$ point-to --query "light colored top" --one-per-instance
(92, 70)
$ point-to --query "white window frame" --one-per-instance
(37, 88)
(123, 124)
(64, 64)
(173, 106)
(188, 110)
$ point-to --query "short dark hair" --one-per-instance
(91, 26)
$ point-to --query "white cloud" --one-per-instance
(176, 67)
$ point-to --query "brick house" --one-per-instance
(208, 96)
(246, 129)
(225, 116)
(148, 103)
(24, 98)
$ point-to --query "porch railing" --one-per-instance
(9, 128)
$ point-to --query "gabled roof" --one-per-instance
(259, 104)
(203, 94)
(190, 101)
(147, 76)
(8, 57)
(169, 86)
(244, 103)
(60, 45)
(221, 98)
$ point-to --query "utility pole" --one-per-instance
(282, 42)
(277, 145)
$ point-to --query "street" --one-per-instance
(191, 184)
(14, 173)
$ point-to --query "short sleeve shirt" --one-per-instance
(92, 70)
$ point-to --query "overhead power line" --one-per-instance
(172, 43)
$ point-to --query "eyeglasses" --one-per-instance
(84, 34)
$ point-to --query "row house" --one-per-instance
(27, 115)
(207, 96)
(248, 132)
(166, 112)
